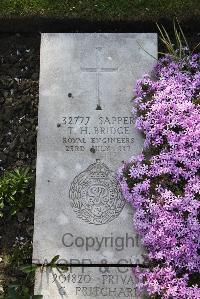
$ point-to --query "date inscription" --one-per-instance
(97, 134)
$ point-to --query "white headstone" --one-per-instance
(85, 132)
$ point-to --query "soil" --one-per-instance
(19, 76)
(59, 24)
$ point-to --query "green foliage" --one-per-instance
(23, 289)
(59, 267)
(18, 291)
(20, 253)
(31, 269)
(180, 48)
(15, 191)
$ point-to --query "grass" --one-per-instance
(102, 9)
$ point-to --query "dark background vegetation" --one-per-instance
(96, 15)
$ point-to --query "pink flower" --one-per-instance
(163, 183)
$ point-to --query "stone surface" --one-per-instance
(86, 283)
(85, 132)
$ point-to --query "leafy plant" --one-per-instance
(14, 191)
(31, 269)
(18, 291)
(22, 290)
(20, 253)
(59, 267)
(180, 48)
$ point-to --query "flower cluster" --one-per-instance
(163, 182)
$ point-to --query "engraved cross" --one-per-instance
(98, 69)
